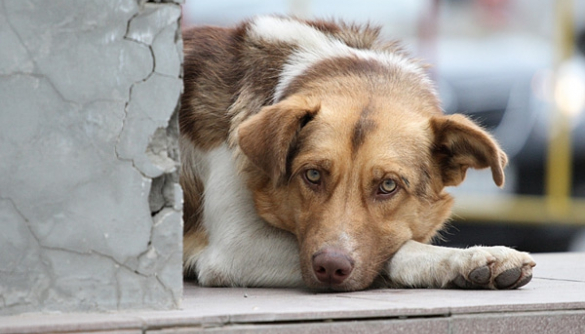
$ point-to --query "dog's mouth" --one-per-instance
(348, 285)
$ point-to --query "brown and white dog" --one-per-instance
(315, 154)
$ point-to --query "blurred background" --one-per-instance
(515, 66)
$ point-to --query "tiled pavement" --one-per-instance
(554, 302)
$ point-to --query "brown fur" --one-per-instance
(355, 121)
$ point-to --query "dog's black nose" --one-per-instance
(332, 266)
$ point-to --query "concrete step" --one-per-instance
(554, 302)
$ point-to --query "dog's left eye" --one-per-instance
(387, 186)
(313, 176)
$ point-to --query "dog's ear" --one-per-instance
(459, 144)
(267, 137)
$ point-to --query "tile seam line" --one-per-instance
(558, 279)
(144, 327)
(449, 316)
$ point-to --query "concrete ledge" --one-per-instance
(554, 302)
(90, 205)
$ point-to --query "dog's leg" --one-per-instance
(261, 258)
(241, 248)
(421, 265)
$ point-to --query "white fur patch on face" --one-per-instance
(347, 242)
(315, 46)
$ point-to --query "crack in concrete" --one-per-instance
(118, 156)
(153, 71)
(148, 76)
(176, 300)
(153, 61)
(32, 59)
(168, 203)
(15, 31)
(43, 262)
(20, 73)
(149, 246)
(113, 259)
(21, 214)
(91, 252)
(158, 33)
(69, 250)
(147, 249)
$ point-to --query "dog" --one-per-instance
(315, 154)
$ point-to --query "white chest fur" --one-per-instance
(243, 249)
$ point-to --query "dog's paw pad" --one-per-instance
(462, 283)
(493, 268)
(481, 275)
(478, 278)
(524, 281)
(508, 278)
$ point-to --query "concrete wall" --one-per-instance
(90, 208)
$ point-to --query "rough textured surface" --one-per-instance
(568, 322)
(431, 326)
(89, 202)
(554, 302)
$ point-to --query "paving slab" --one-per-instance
(431, 326)
(565, 322)
(553, 301)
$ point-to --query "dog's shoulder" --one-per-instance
(264, 44)
(231, 73)
(305, 33)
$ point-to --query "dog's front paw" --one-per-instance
(493, 268)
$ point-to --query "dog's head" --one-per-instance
(355, 165)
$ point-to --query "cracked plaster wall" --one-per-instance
(90, 208)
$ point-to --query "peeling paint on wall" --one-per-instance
(90, 207)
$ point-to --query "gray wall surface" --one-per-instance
(90, 208)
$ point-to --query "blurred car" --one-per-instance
(508, 84)
(509, 91)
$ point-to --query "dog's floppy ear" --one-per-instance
(459, 144)
(267, 137)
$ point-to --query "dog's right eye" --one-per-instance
(388, 186)
(313, 176)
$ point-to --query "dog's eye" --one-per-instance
(387, 186)
(313, 176)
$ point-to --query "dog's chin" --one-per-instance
(350, 284)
